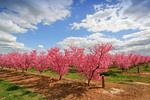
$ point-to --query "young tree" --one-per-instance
(8, 60)
(17, 60)
(122, 60)
(93, 64)
(26, 61)
(135, 60)
(59, 62)
(144, 60)
(41, 63)
(14, 60)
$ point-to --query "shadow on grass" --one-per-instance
(1, 80)
(12, 88)
(110, 73)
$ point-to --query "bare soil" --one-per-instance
(69, 89)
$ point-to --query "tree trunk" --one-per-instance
(22, 70)
(92, 76)
(40, 72)
(103, 81)
(146, 66)
(60, 77)
(26, 70)
(89, 82)
(16, 69)
(138, 69)
(9, 68)
(2, 67)
(122, 69)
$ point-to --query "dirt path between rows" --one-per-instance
(69, 89)
(142, 83)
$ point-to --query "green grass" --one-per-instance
(72, 67)
(74, 75)
(69, 74)
(45, 72)
(142, 69)
(124, 79)
(10, 91)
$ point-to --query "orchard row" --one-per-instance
(89, 65)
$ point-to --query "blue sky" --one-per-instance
(40, 25)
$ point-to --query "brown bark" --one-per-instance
(89, 82)
(138, 69)
(60, 77)
(22, 70)
(40, 72)
(122, 69)
(92, 75)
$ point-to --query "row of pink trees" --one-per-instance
(138, 59)
(53, 59)
(123, 61)
(90, 65)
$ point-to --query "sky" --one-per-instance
(26, 25)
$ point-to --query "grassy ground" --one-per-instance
(114, 77)
(112, 72)
(10, 91)
(124, 79)
(142, 69)
(68, 75)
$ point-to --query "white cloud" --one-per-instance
(137, 34)
(23, 15)
(139, 39)
(89, 41)
(9, 26)
(40, 46)
(109, 0)
(98, 7)
(140, 45)
(114, 18)
(8, 43)
(82, 1)
(125, 15)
